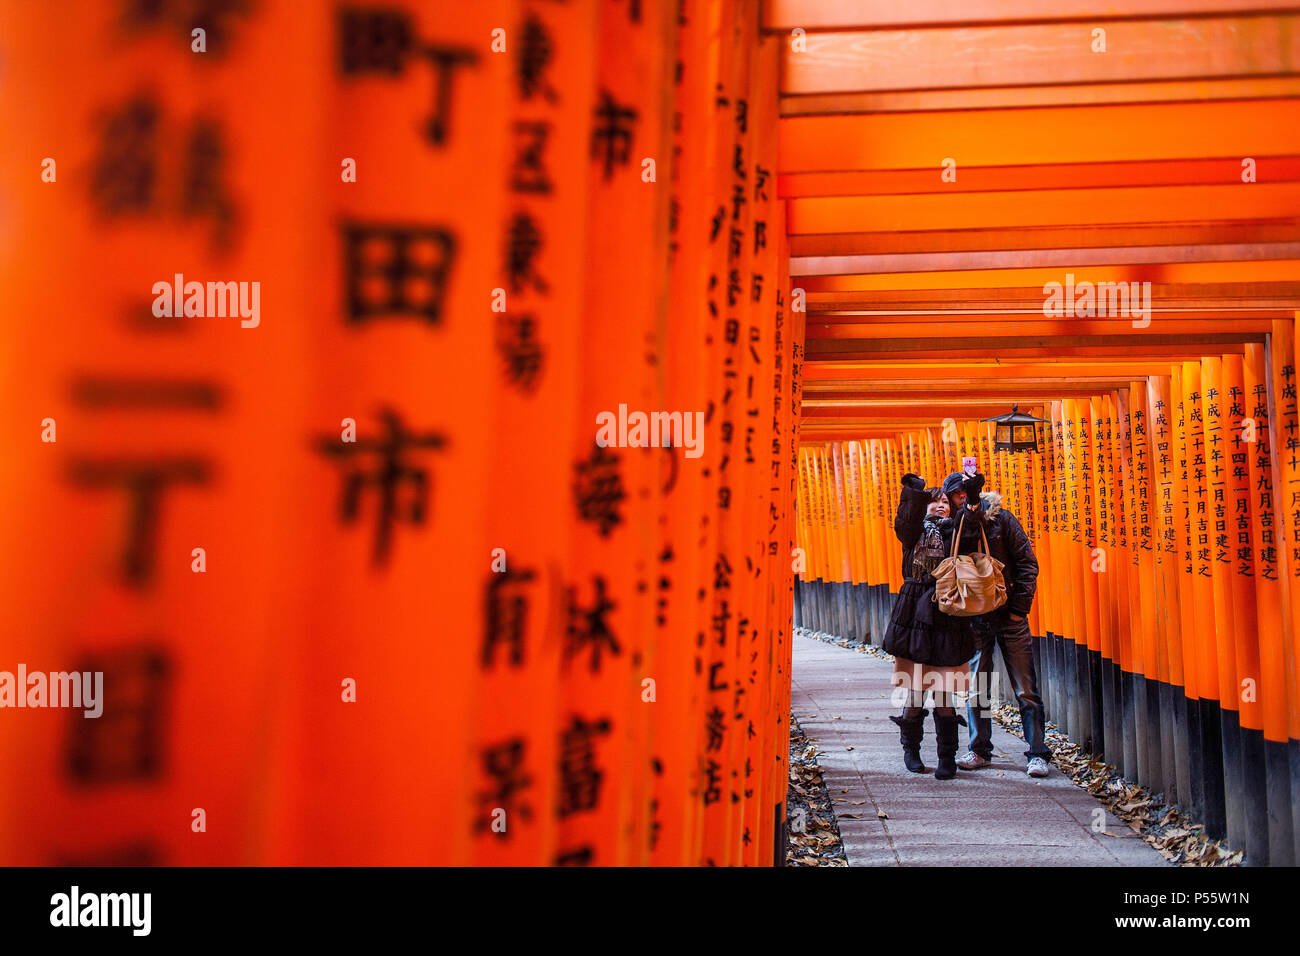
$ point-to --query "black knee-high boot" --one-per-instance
(945, 732)
(910, 732)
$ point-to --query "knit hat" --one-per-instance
(953, 482)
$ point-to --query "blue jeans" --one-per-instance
(1018, 655)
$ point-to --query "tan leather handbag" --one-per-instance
(968, 585)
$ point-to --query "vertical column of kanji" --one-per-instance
(1217, 545)
(816, 513)
(534, 303)
(876, 503)
(1028, 483)
(1199, 502)
(844, 509)
(680, 614)
(1062, 548)
(1166, 467)
(762, 281)
(1089, 580)
(1051, 564)
(1130, 599)
(720, 597)
(1184, 381)
(1143, 495)
(855, 533)
(818, 490)
(1286, 482)
(137, 235)
(1045, 601)
(868, 514)
(803, 512)
(1286, 468)
(1145, 628)
(1120, 567)
(1240, 558)
(603, 753)
(1275, 694)
(776, 732)
(1240, 693)
(1183, 523)
(1077, 566)
(1102, 557)
(1165, 545)
(399, 438)
(747, 361)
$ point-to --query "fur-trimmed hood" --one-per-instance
(992, 502)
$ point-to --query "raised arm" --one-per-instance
(911, 510)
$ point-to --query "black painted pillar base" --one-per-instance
(1047, 676)
(1195, 759)
(1178, 768)
(1293, 757)
(1236, 827)
(1215, 816)
(1074, 705)
(1097, 712)
(1128, 723)
(1277, 778)
(1153, 767)
(1254, 796)
(1110, 709)
(780, 835)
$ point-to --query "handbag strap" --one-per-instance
(956, 538)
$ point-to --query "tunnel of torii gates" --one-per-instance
(825, 226)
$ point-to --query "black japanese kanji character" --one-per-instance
(598, 489)
(520, 350)
(390, 472)
(528, 174)
(144, 481)
(523, 243)
(125, 174)
(504, 765)
(126, 742)
(580, 777)
(611, 136)
(587, 626)
(396, 270)
(534, 56)
(202, 191)
(506, 616)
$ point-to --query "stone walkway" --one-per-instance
(997, 816)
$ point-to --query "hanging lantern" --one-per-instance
(1015, 431)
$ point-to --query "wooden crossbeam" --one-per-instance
(938, 326)
(1048, 207)
(782, 16)
(1042, 54)
(1038, 136)
(1067, 94)
(1064, 259)
(1180, 172)
(1067, 236)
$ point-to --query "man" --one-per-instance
(1007, 627)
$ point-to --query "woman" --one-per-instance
(930, 648)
